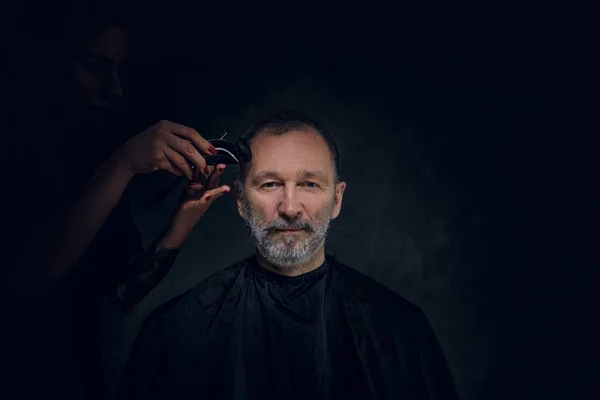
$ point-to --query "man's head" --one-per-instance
(291, 183)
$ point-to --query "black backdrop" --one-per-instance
(440, 117)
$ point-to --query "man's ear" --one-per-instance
(339, 196)
(238, 195)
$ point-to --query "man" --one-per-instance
(72, 238)
(289, 322)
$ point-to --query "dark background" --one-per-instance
(441, 117)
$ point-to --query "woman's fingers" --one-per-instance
(215, 177)
(176, 163)
(187, 151)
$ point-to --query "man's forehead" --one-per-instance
(306, 138)
(293, 155)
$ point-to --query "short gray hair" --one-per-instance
(283, 122)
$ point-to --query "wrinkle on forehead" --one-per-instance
(268, 146)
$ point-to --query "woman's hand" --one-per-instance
(196, 200)
(166, 146)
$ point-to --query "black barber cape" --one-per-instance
(249, 333)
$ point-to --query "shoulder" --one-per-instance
(372, 295)
(209, 293)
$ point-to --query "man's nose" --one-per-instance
(290, 205)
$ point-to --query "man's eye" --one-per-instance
(309, 184)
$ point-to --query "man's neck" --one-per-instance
(315, 262)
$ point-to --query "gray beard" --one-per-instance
(286, 252)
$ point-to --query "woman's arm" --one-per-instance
(67, 240)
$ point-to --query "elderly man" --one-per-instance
(289, 322)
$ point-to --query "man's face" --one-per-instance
(290, 196)
(96, 84)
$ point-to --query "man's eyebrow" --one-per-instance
(314, 174)
(274, 175)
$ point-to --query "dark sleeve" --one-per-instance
(120, 239)
(148, 269)
(151, 259)
(144, 376)
(117, 252)
(138, 260)
(437, 377)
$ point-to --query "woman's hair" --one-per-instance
(60, 29)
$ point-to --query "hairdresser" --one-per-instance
(73, 240)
